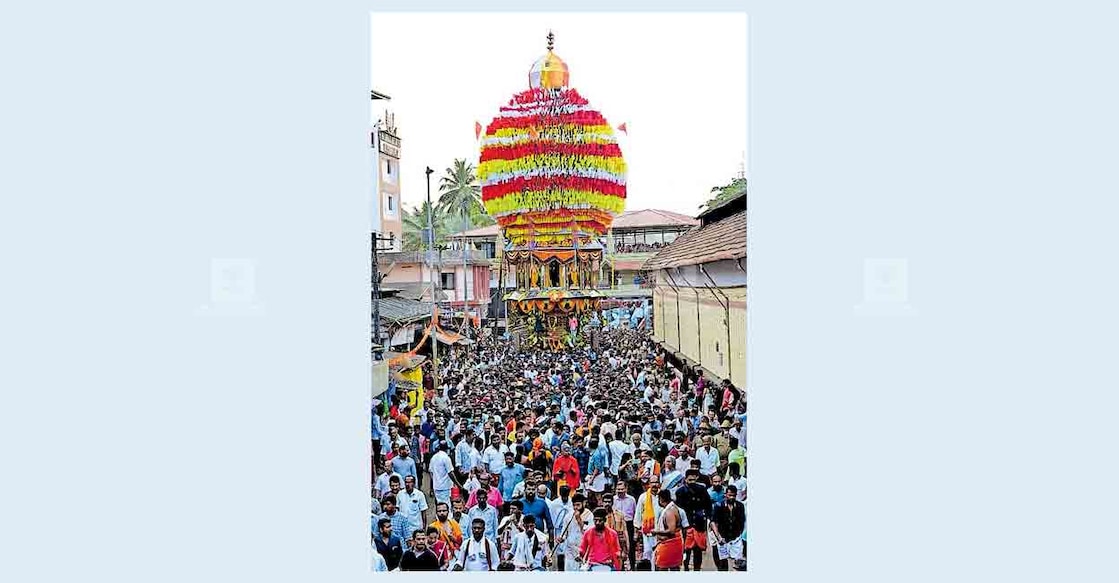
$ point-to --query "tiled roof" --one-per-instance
(398, 309)
(645, 218)
(487, 231)
(725, 239)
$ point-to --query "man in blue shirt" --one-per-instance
(398, 523)
(582, 456)
(427, 429)
(539, 510)
(510, 475)
(463, 461)
(488, 514)
(388, 545)
(404, 465)
(377, 430)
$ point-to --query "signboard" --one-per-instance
(389, 144)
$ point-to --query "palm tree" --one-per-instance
(415, 223)
(458, 188)
(460, 194)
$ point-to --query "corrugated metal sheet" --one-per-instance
(398, 309)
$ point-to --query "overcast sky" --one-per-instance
(678, 82)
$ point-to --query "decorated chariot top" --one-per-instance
(551, 170)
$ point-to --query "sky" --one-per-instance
(678, 82)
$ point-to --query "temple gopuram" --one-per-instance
(553, 177)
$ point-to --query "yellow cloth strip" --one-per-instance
(541, 200)
(559, 162)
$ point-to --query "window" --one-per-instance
(392, 208)
(390, 174)
(392, 239)
(670, 236)
(447, 280)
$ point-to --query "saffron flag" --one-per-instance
(622, 128)
(477, 130)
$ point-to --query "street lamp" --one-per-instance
(434, 302)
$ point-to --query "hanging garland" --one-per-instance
(551, 165)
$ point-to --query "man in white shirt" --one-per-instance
(738, 482)
(530, 547)
(471, 484)
(581, 520)
(441, 469)
(635, 444)
(708, 459)
(413, 505)
(607, 427)
(382, 486)
(477, 553)
(681, 424)
(648, 541)
(684, 460)
(494, 456)
(476, 454)
(617, 450)
(561, 509)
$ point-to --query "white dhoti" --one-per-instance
(648, 542)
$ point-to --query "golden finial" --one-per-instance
(551, 40)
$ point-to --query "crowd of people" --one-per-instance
(581, 460)
(638, 247)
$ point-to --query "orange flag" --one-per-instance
(477, 130)
(622, 128)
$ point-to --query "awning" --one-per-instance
(402, 361)
(452, 338)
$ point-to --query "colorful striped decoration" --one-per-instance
(550, 166)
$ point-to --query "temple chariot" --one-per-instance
(553, 177)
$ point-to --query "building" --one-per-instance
(386, 211)
(635, 237)
(699, 293)
(457, 285)
(402, 318)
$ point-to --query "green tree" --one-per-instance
(725, 192)
(461, 196)
(415, 222)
